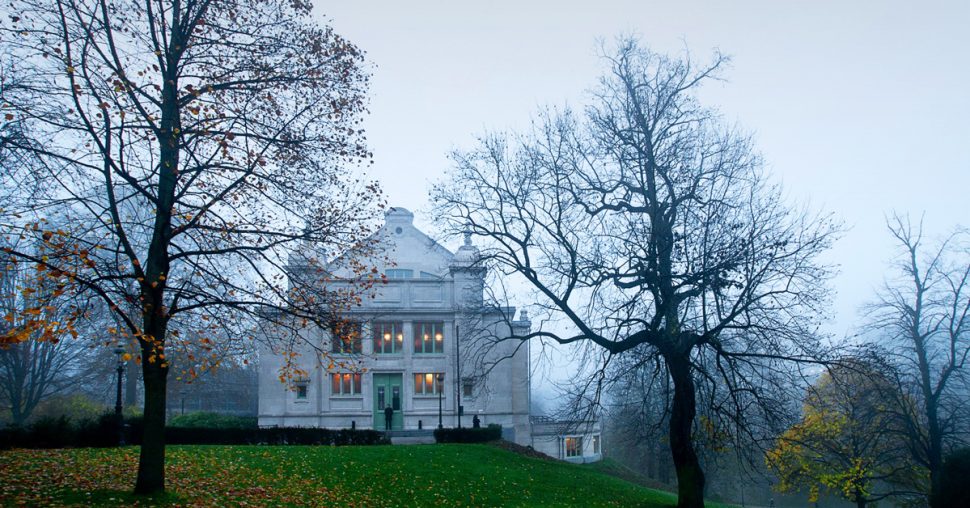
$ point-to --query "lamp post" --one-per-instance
(120, 419)
(441, 385)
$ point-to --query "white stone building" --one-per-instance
(573, 441)
(413, 347)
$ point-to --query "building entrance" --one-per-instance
(387, 393)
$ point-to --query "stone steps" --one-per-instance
(402, 437)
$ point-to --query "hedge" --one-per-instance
(103, 432)
(274, 436)
(212, 421)
(469, 435)
(61, 432)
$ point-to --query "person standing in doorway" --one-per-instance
(388, 417)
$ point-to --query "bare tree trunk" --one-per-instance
(18, 416)
(931, 404)
(690, 476)
(935, 456)
(151, 467)
(151, 464)
(131, 384)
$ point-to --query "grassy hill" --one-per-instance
(433, 475)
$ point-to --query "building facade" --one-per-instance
(426, 346)
(573, 441)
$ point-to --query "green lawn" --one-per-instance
(447, 475)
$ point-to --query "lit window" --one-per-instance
(596, 443)
(344, 384)
(429, 383)
(429, 338)
(388, 338)
(399, 273)
(345, 338)
(467, 387)
(574, 447)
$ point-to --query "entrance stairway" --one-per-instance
(401, 437)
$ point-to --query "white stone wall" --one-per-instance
(550, 437)
(453, 298)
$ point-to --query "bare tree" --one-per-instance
(923, 318)
(183, 146)
(647, 224)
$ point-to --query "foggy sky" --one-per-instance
(860, 108)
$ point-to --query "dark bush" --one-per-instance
(103, 432)
(51, 432)
(954, 488)
(469, 435)
(11, 437)
(213, 421)
(99, 433)
(273, 436)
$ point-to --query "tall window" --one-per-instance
(388, 338)
(574, 446)
(345, 337)
(596, 443)
(429, 383)
(467, 387)
(429, 338)
(344, 384)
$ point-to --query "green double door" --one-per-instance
(388, 393)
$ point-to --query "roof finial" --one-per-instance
(468, 237)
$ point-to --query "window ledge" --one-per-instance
(346, 397)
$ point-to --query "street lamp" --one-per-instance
(119, 351)
(441, 385)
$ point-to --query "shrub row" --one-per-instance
(469, 435)
(273, 436)
(62, 432)
(212, 421)
(103, 432)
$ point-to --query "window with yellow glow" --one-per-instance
(429, 338)
(345, 384)
(429, 383)
(388, 338)
(574, 447)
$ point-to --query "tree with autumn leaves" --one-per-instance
(163, 156)
(848, 442)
